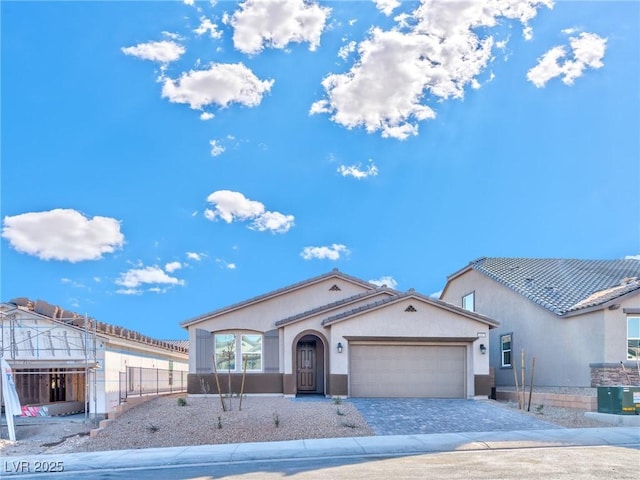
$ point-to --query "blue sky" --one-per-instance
(165, 159)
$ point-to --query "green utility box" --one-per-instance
(620, 400)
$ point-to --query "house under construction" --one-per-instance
(65, 363)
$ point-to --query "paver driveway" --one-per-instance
(406, 416)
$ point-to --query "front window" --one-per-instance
(231, 350)
(225, 352)
(633, 338)
(468, 302)
(505, 349)
(251, 349)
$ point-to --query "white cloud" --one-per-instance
(632, 257)
(332, 252)
(356, 171)
(73, 283)
(230, 206)
(276, 23)
(207, 26)
(172, 35)
(527, 33)
(274, 222)
(206, 116)
(165, 51)
(172, 266)
(189, 2)
(433, 54)
(129, 291)
(224, 264)
(74, 302)
(220, 84)
(63, 234)
(216, 148)
(548, 67)
(195, 256)
(347, 50)
(234, 206)
(385, 280)
(147, 275)
(387, 6)
(588, 50)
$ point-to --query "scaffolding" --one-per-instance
(49, 359)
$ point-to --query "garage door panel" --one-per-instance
(407, 371)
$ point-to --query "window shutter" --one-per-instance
(271, 351)
(204, 351)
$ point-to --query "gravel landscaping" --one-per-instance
(164, 422)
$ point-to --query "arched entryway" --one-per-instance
(310, 364)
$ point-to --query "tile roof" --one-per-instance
(68, 317)
(339, 303)
(178, 343)
(563, 285)
(411, 294)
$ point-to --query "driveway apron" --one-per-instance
(407, 416)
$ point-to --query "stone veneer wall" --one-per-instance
(581, 402)
(612, 374)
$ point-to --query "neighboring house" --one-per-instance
(579, 318)
(64, 362)
(338, 335)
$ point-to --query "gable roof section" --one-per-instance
(410, 294)
(337, 304)
(335, 273)
(562, 286)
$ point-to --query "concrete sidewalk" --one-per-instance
(379, 446)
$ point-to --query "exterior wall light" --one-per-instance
(339, 347)
(483, 349)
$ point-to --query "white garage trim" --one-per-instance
(407, 369)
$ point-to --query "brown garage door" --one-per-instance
(407, 371)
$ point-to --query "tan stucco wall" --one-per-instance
(615, 345)
(314, 323)
(262, 316)
(428, 321)
(436, 323)
(563, 347)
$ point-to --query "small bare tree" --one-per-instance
(215, 373)
(229, 354)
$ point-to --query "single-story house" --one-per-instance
(338, 335)
(64, 362)
(579, 318)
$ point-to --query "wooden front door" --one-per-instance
(306, 367)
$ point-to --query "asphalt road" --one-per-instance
(564, 463)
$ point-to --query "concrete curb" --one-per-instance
(391, 445)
